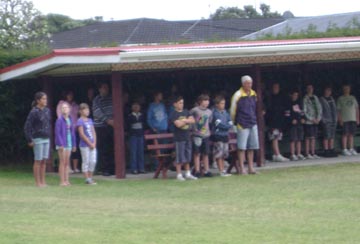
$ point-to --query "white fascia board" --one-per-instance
(57, 61)
(233, 52)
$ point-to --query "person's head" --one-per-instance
(309, 89)
(219, 102)
(91, 93)
(294, 95)
(203, 100)
(40, 100)
(246, 82)
(103, 89)
(178, 103)
(158, 96)
(84, 109)
(69, 96)
(327, 91)
(65, 109)
(275, 88)
(346, 89)
(135, 107)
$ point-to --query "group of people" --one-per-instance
(199, 133)
(301, 118)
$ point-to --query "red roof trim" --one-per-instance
(25, 63)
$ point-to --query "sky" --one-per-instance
(184, 9)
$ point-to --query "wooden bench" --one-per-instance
(155, 145)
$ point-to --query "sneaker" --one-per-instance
(180, 178)
(346, 152)
(316, 156)
(301, 157)
(208, 174)
(190, 177)
(294, 158)
(275, 158)
(90, 182)
(222, 174)
(214, 165)
(197, 174)
(77, 171)
(282, 158)
(309, 156)
(353, 152)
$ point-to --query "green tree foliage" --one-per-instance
(248, 11)
(21, 25)
(58, 22)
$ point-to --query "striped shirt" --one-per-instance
(102, 110)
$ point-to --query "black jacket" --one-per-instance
(275, 108)
(135, 124)
(37, 124)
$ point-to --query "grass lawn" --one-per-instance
(319, 204)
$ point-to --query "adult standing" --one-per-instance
(68, 97)
(104, 123)
(157, 117)
(37, 132)
(243, 115)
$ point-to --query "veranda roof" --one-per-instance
(85, 61)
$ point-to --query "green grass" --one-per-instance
(319, 204)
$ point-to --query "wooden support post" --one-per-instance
(260, 160)
(119, 133)
(47, 87)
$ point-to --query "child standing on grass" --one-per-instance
(87, 144)
(201, 135)
(221, 124)
(182, 120)
(295, 116)
(136, 130)
(37, 132)
(65, 142)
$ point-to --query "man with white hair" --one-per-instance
(243, 115)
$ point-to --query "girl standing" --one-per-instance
(65, 142)
(87, 134)
(37, 132)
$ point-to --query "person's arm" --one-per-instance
(58, 108)
(357, 111)
(58, 131)
(320, 110)
(149, 118)
(73, 137)
(94, 135)
(338, 106)
(28, 129)
(83, 136)
(233, 106)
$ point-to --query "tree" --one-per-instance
(248, 11)
(58, 22)
(21, 25)
(266, 13)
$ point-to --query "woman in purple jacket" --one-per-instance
(65, 142)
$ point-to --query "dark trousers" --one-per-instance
(105, 149)
(137, 153)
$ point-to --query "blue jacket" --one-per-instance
(157, 117)
(60, 133)
(220, 126)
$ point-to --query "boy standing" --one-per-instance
(295, 117)
(313, 115)
(348, 114)
(182, 121)
(221, 125)
(136, 131)
(201, 136)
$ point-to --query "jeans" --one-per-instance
(137, 153)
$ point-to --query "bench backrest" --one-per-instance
(156, 146)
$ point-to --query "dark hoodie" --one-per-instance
(37, 124)
(275, 108)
